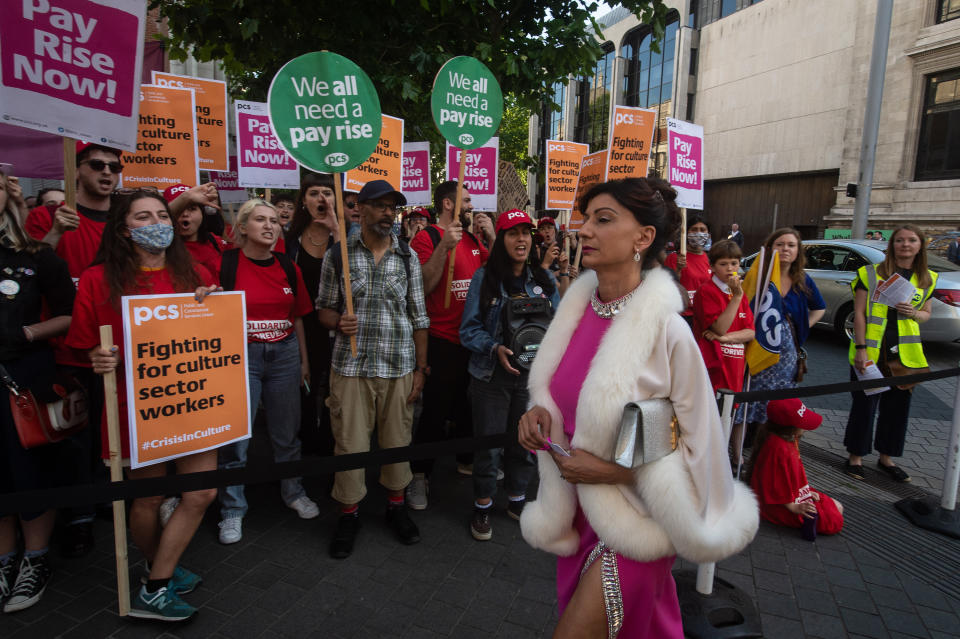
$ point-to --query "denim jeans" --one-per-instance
(497, 408)
(274, 371)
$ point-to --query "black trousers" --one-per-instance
(444, 398)
(894, 412)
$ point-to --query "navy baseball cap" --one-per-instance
(379, 188)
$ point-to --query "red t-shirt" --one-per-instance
(693, 276)
(725, 362)
(471, 255)
(204, 253)
(272, 306)
(77, 247)
(778, 478)
(92, 309)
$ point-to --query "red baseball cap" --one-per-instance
(793, 412)
(512, 218)
(173, 192)
(83, 146)
(546, 220)
(422, 212)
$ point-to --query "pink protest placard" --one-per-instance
(261, 160)
(480, 175)
(416, 173)
(685, 162)
(227, 184)
(72, 68)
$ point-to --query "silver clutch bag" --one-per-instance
(648, 431)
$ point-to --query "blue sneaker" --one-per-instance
(163, 605)
(182, 582)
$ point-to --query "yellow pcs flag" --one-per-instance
(764, 351)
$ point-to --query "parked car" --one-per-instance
(833, 265)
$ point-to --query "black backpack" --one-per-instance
(231, 259)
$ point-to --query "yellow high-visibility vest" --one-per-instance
(908, 330)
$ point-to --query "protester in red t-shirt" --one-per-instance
(205, 247)
(445, 393)
(140, 254)
(778, 478)
(276, 355)
(722, 319)
(694, 268)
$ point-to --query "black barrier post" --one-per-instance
(712, 607)
(925, 512)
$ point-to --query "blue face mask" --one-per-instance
(154, 238)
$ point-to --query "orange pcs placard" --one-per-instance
(563, 167)
(211, 116)
(166, 140)
(386, 161)
(630, 139)
(593, 170)
(186, 367)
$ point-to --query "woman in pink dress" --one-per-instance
(617, 338)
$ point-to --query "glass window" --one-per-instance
(593, 103)
(938, 149)
(648, 78)
(727, 7)
(948, 10)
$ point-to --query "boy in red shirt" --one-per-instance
(722, 320)
(778, 478)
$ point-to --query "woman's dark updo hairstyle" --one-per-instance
(652, 202)
(499, 268)
(301, 216)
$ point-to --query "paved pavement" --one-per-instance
(880, 577)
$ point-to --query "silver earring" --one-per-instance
(636, 256)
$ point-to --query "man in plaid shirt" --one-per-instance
(379, 385)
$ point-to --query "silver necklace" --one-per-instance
(608, 310)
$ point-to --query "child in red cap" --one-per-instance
(778, 478)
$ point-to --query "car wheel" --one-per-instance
(843, 322)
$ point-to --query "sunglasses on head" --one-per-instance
(99, 165)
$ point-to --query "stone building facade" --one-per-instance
(780, 89)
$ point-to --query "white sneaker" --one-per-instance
(416, 492)
(166, 509)
(306, 508)
(231, 530)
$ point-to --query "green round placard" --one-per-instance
(467, 103)
(325, 112)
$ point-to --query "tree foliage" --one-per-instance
(401, 44)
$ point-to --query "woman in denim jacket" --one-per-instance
(498, 391)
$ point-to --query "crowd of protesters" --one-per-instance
(434, 350)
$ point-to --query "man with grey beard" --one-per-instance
(378, 386)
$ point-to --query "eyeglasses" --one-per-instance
(99, 165)
(350, 205)
(382, 206)
(143, 189)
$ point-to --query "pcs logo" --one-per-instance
(336, 159)
(143, 314)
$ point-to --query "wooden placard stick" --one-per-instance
(116, 474)
(566, 236)
(456, 217)
(70, 172)
(683, 232)
(266, 194)
(576, 260)
(344, 258)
